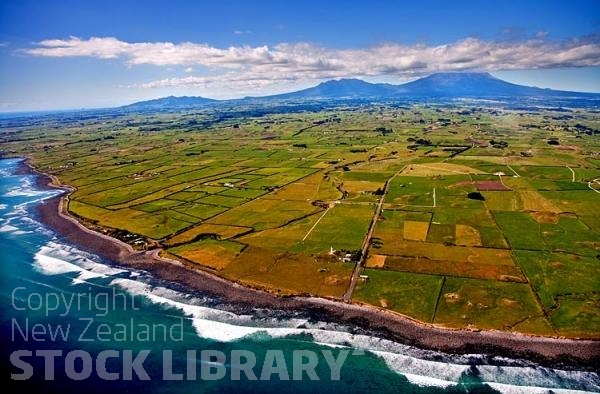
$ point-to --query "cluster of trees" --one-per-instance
(376, 242)
(383, 130)
(585, 129)
(418, 142)
(498, 144)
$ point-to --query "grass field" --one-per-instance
(209, 253)
(343, 227)
(408, 293)
(472, 232)
(485, 304)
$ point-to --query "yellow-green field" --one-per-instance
(471, 233)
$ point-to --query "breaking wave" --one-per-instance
(213, 322)
(417, 365)
(421, 367)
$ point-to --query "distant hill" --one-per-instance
(473, 85)
(342, 88)
(170, 102)
(440, 85)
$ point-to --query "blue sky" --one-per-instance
(73, 54)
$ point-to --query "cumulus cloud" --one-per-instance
(247, 67)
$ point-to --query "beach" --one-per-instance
(548, 351)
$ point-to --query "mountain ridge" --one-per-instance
(171, 101)
(440, 85)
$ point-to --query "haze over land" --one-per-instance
(441, 86)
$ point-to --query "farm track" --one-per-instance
(367, 241)
(267, 143)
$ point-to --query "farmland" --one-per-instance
(483, 223)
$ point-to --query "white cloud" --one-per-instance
(247, 68)
(229, 85)
(188, 70)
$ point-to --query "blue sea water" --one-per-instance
(54, 297)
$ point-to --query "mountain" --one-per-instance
(440, 85)
(472, 85)
(342, 88)
(170, 102)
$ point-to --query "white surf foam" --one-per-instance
(512, 389)
(226, 326)
(427, 381)
(536, 376)
(53, 266)
(7, 228)
(208, 322)
(27, 188)
(82, 259)
(331, 345)
(55, 259)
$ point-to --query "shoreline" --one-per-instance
(547, 351)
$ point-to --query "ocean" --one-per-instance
(71, 321)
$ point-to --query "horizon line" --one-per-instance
(57, 110)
